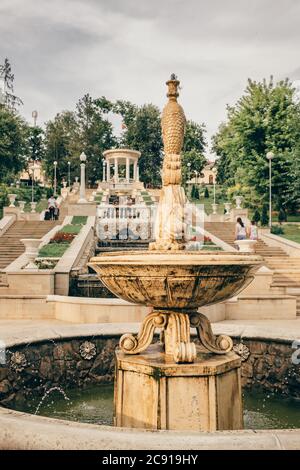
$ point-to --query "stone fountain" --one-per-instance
(176, 383)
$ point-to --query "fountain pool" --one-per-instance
(94, 405)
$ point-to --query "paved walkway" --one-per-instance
(14, 332)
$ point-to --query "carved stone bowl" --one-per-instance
(175, 280)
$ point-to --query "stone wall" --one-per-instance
(32, 369)
(269, 367)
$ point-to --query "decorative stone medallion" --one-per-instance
(18, 361)
(242, 351)
(88, 350)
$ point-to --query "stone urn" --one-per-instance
(12, 200)
(238, 201)
(22, 206)
(64, 184)
(31, 251)
(33, 207)
(214, 208)
(227, 206)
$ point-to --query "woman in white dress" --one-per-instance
(240, 230)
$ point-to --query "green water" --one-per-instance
(95, 405)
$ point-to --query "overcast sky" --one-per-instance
(62, 49)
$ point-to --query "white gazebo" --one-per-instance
(121, 169)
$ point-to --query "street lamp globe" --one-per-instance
(55, 163)
(270, 155)
(82, 157)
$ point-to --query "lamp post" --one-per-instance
(69, 174)
(32, 183)
(82, 198)
(270, 156)
(55, 179)
(34, 115)
(188, 175)
(214, 170)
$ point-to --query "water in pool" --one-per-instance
(95, 405)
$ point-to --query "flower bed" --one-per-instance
(59, 243)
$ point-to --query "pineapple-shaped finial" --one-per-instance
(173, 126)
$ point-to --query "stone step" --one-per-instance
(10, 245)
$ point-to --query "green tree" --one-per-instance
(62, 145)
(206, 192)
(88, 130)
(265, 118)
(142, 132)
(35, 147)
(12, 144)
(95, 132)
(193, 150)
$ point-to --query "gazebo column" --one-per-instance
(108, 170)
(135, 171)
(103, 172)
(138, 173)
(116, 170)
(127, 169)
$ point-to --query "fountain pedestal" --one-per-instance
(152, 392)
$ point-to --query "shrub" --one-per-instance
(63, 237)
(256, 216)
(206, 193)
(196, 193)
(276, 230)
(264, 215)
(282, 217)
(3, 195)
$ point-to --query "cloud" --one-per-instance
(128, 48)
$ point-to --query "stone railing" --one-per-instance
(290, 247)
(6, 222)
(125, 222)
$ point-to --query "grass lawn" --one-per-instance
(79, 219)
(291, 232)
(53, 250)
(207, 202)
(71, 228)
(290, 218)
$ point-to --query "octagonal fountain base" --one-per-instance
(152, 392)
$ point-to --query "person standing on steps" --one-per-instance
(253, 231)
(52, 207)
(240, 230)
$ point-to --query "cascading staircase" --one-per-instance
(286, 268)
